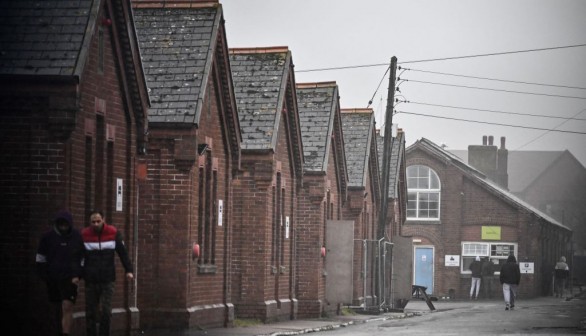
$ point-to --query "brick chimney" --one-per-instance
(484, 158)
(491, 161)
(502, 165)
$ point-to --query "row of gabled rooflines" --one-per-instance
(259, 76)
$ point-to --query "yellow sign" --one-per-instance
(491, 233)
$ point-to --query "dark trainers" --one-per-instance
(507, 307)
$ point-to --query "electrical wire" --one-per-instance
(493, 54)
(490, 123)
(494, 79)
(493, 111)
(545, 133)
(498, 90)
(440, 59)
(379, 84)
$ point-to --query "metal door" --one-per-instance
(424, 267)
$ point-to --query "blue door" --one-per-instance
(424, 268)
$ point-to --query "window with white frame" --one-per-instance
(497, 253)
(423, 193)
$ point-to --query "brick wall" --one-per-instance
(177, 288)
(317, 191)
(45, 137)
(262, 277)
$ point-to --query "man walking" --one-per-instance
(510, 278)
(101, 242)
(59, 264)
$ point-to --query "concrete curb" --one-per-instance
(335, 326)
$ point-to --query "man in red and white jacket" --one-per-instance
(101, 242)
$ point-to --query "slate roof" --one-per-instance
(358, 128)
(317, 104)
(524, 167)
(177, 52)
(48, 37)
(260, 77)
(479, 177)
(397, 152)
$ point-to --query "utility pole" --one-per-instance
(387, 149)
(382, 220)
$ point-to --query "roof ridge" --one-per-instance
(309, 85)
(357, 110)
(175, 3)
(259, 50)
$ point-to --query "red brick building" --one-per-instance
(266, 189)
(72, 124)
(360, 145)
(552, 181)
(455, 213)
(323, 193)
(185, 225)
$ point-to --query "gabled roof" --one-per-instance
(49, 37)
(317, 104)
(177, 42)
(260, 83)
(524, 167)
(396, 156)
(478, 177)
(358, 126)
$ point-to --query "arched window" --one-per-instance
(423, 189)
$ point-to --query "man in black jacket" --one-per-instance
(58, 260)
(102, 241)
(510, 278)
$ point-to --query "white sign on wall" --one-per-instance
(286, 227)
(220, 211)
(452, 260)
(527, 267)
(119, 194)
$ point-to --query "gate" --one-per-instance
(373, 290)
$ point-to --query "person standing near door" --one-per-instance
(102, 241)
(562, 273)
(487, 278)
(476, 269)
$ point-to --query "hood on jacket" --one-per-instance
(512, 258)
(63, 216)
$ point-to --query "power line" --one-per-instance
(498, 90)
(378, 86)
(491, 123)
(493, 54)
(495, 79)
(493, 111)
(544, 133)
(439, 59)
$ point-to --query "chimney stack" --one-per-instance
(502, 165)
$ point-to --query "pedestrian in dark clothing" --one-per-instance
(476, 269)
(487, 277)
(59, 258)
(510, 278)
(102, 242)
(561, 275)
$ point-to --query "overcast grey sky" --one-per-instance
(347, 33)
